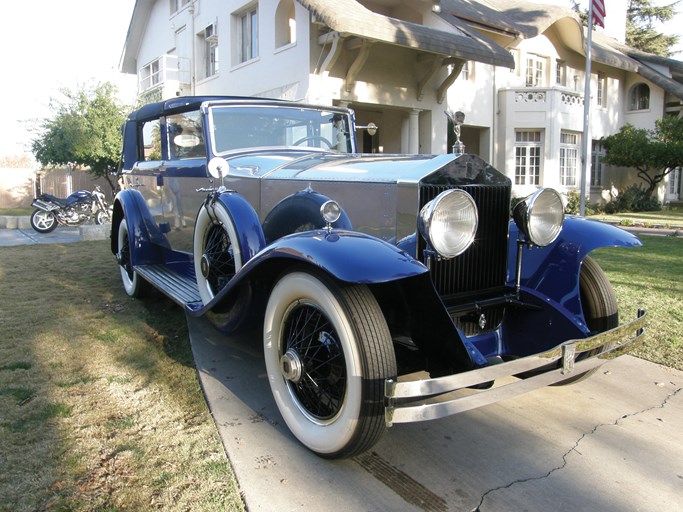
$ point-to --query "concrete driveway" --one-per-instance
(611, 443)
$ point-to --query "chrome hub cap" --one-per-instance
(291, 366)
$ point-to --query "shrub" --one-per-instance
(633, 199)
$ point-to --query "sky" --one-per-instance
(50, 45)
(47, 46)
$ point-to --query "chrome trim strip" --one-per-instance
(424, 399)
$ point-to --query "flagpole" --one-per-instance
(585, 156)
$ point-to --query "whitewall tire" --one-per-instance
(328, 352)
(132, 282)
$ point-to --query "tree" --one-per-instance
(84, 130)
(654, 153)
(641, 17)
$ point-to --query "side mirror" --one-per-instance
(370, 127)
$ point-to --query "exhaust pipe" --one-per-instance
(45, 206)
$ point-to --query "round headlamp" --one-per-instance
(449, 222)
(540, 216)
(330, 211)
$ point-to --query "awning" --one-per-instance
(348, 17)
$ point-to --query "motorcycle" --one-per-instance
(80, 207)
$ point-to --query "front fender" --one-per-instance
(553, 271)
(245, 220)
(347, 256)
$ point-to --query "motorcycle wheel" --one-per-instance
(102, 217)
(43, 222)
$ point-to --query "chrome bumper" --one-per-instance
(430, 399)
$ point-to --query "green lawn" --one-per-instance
(651, 277)
(668, 218)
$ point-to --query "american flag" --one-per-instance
(599, 12)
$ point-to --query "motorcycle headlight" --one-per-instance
(449, 222)
(540, 216)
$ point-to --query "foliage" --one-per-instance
(633, 199)
(84, 130)
(574, 204)
(641, 18)
(654, 153)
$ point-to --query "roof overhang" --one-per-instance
(136, 28)
(350, 18)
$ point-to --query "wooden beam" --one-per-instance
(436, 63)
(448, 81)
(357, 65)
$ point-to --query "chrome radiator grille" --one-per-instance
(484, 265)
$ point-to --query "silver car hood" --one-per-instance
(325, 166)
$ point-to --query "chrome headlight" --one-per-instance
(540, 216)
(449, 222)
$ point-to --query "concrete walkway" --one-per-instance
(610, 443)
(61, 235)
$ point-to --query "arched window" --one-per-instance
(639, 99)
(285, 24)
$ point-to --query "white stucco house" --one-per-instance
(515, 68)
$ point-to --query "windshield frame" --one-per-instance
(341, 133)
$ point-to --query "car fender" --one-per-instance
(148, 239)
(347, 256)
(553, 271)
(245, 220)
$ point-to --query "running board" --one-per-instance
(179, 288)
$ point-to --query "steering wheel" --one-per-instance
(314, 137)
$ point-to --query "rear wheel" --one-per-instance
(132, 282)
(216, 250)
(599, 305)
(328, 352)
(43, 222)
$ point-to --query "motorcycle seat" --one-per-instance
(50, 197)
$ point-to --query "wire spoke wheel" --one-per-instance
(309, 335)
(217, 256)
(328, 353)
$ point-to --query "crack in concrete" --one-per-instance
(574, 449)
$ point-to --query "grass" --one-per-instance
(667, 218)
(101, 406)
(651, 276)
(16, 212)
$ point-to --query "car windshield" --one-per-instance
(238, 127)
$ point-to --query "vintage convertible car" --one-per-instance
(391, 288)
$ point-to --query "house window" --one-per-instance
(285, 24)
(675, 182)
(247, 34)
(467, 72)
(639, 98)
(602, 85)
(535, 71)
(528, 150)
(569, 158)
(150, 75)
(208, 52)
(560, 73)
(177, 5)
(597, 154)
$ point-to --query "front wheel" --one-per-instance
(328, 352)
(217, 257)
(102, 217)
(599, 305)
(43, 222)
